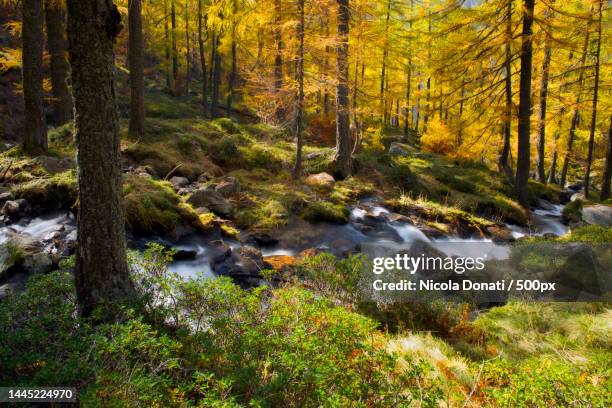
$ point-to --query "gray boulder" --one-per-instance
(599, 214)
(228, 187)
(211, 199)
(398, 149)
(178, 182)
(16, 208)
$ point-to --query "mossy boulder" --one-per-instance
(326, 211)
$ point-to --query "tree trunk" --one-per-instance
(552, 171)
(216, 79)
(383, 73)
(297, 170)
(101, 273)
(55, 17)
(136, 62)
(35, 126)
(428, 96)
(541, 173)
(407, 107)
(576, 115)
(587, 175)
(167, 46)
(607, 177)
(326, 69)
(461, 102)
(232, 77)
(175, 67)
(504, 163)
(343, 159)
(524, 125)
(187, 50)
(202, 59)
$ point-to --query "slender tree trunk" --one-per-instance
(35, 126)
(297, 170)
(136, 62)
(175, 67)
(428, 96)
(326, 69)
(541, 173)
(407, 107)
(460, 131)
(552, 171)
(587, 175)
(213, 57)
(504, 163)
(232, 78)
(278, 57)
(167, 46)
(55, 18)
(607, 177)
(524, 125)
(216, 80)
(355, 89)
(343, 159)
(187, 50)
(101, 273)
(383, 73)
(202, 59)
(576, 114)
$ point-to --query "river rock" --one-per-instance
(38, 263)
(280, 263)
(6, 196)
(261, 239)
(499, 233)
(54, 164)
(398, 149)
(184, 255)
(211, 199)
(16, 208)
(244, 264)
(322, 181)
(228, 187)
(178, 182)
(598, 214)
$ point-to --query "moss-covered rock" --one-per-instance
(57, 191)
(326, 211)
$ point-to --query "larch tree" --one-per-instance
(35, 125)
(504, 156)
(136, 65)
(607, 176)
(587, 173)
(524, 114)
(299, 120)
(202, 54)
(540, 171)
(55, 18)
(343, 157)
(101, 272)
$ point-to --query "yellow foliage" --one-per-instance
(438, 138)
(10, 58)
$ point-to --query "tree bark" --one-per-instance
(35, 126)
(587, 175)
(187, 50)
(607, 177)
(343, 159)
(524, 123)
(297, 169)
(101, 273)
(136, 62)
(55, 17)
(541, 173)
(278, 58)
(233, 71)
(216, 79)
(167, 46)
(428, 95)
(175, 67)
(383, 72)
(576, 114)
(504, 162)
(202, 59)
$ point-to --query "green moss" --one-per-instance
(326, 211)
(152, 206)
(594, 234)
(572, 212)
(226, 125)
(57, 190)
(262, 215)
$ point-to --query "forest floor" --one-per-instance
(518, 354)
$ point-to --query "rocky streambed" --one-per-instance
(41, 242)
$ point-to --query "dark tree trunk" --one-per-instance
(167, 46)
(607, 177)
(407, 107)
(202, 59)
(278, 57)
(175, 67)
(504, 156)
(233, 72)
(383, 71)
(541, 173)
(187, 50)
(552, 171)
(136, 62)
(587, 175)
(460, 131)
(35, 127)
(343, 159)
(326, 69)
(55, 17)
(213, 57)
(524, 123)
(297, 170)
(576, 114)
(216, 80)
(428, 96)
(101, 273)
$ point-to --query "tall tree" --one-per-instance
(175, 67)
(101, 273)
(297, 169)
(504, 156)
(524, 120)
(343, 159)
(35, 127)
(576, 113)
(540, 172)
(278, 55)
(136, 62)
(383, 71)
(234, 67)
(167, 47)
(187, 49)
(587, 174)
(201, 28)
(607, 177)
(55, 17)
